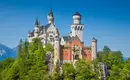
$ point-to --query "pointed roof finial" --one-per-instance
(77, 13)
(37, 21)
(50, 13)
(94, 39)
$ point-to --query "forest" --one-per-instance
(31, 64)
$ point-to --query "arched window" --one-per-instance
(76, 57)
(81, 28)
(76, 27)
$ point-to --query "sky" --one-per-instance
(106, 20)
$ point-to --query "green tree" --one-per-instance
(31, 64)
(20, 48)
(7, 63)
(35, 45)
(56, 75)
(85, 71)
(106, 49)
(68, 71)
(120, 71)
(109, 57)
(48, 47)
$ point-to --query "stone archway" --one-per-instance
(76, 57)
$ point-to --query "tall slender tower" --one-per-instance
(77, 27)
(36, 28)
(50, 17)
(56, 48)
(94, 48)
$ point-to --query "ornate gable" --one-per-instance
(74, 38)
(51, 28)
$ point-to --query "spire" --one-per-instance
(50, 17)
(37, 22)
(50, 13)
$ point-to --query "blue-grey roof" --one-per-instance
(77, 14)
(66, 38)
(50, 13)
(74, 38)
(45, 27)
(94, 39)
(37, 22)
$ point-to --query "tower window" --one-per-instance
(75, 27)
(81, 28)
(78, 28)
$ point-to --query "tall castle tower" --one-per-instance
(50, 17)
(77, 27)
(94, 48)
(56, 48)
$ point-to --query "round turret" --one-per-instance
(77, 18)
(94, 48)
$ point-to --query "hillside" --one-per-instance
(6, 52)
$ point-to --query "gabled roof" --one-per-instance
(31, 33)
(66, 38)
(89, 48)
(45, 27)
(74, 38)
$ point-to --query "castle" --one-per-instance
(66, 48)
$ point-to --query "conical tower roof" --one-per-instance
(94, 39)
(50, 13)
(77, 13)
(37, 22)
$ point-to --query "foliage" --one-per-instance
(109, 57)
(106, 49)
(68, 71)
(57, 73)
(7, 63)
(120, 72)
(49, 47)
(20, 47)
(85, 71)
(31, 65)
(118, 69)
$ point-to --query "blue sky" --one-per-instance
(107, 20)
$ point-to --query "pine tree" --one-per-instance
(20, 48)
